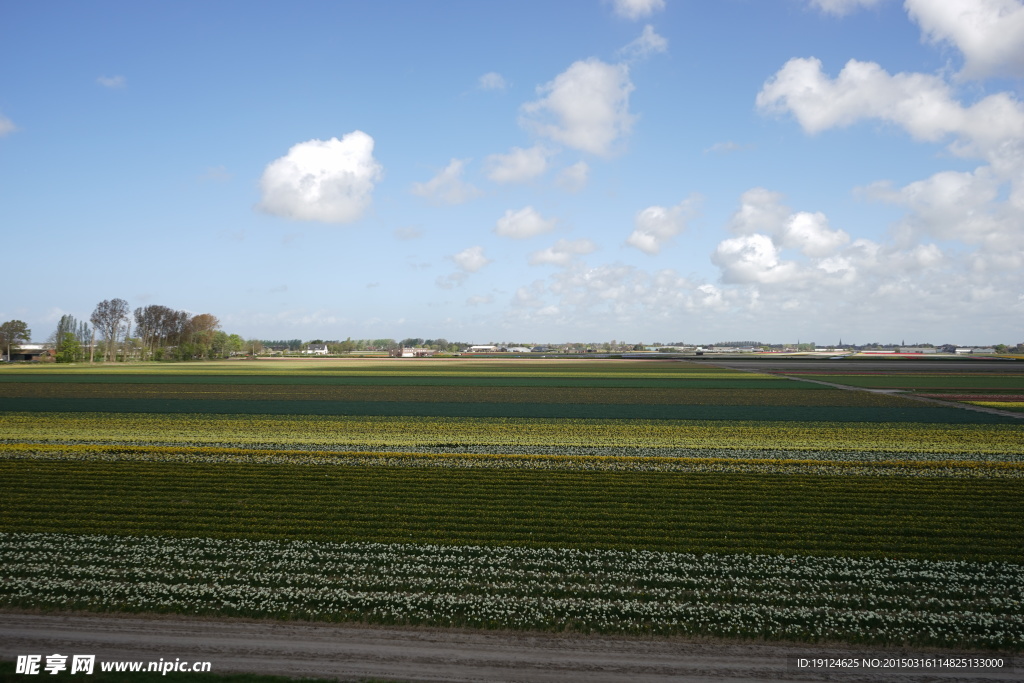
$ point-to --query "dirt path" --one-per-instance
(349, 652)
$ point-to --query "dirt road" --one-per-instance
(348, 652)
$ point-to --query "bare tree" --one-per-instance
(108, 317)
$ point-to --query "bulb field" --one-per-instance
(612, 496)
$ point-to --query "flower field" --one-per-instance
(595, 495)
(920, 602)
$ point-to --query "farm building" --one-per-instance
(407, 352)
(30, 352)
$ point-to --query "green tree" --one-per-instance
(12, 333)
(235, 343)
(198, 338)
(70, 339)
(69, 349)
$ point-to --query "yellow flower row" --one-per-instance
(304, 432)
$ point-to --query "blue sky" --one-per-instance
(531, 171)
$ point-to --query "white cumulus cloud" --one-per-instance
(586, 107)
(989, 33)
(761, 211)
(810, 233)
(637, 9)
(447, 186)
(655, 226)
(752, 259)
(518, 166)
(967, 207)
(525, 222)
(471, 259)
(562, 252)
(921, 104)
(330, 181)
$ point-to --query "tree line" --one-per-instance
(152, 332)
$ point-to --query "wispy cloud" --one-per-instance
(113, 82)
(216, 174)
(727, 147)
(407, 233)
(6, 126)
(447, 186)
(492, 80)
(647, 44)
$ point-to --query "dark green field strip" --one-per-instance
(927, 414)
(914, 413)
(821, 396)
(926, 518)
(960, 382)
(355, 367)
(741, 381)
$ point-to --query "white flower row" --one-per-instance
(758, 596)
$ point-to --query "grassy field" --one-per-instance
(467, 458)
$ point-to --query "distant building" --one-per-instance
(407, 352)
(31, 352)
(316, 349)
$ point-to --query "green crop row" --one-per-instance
(933, 518)
(974, 381)
(927, 414)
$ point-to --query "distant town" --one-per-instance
(158, 332)
(130, 350)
